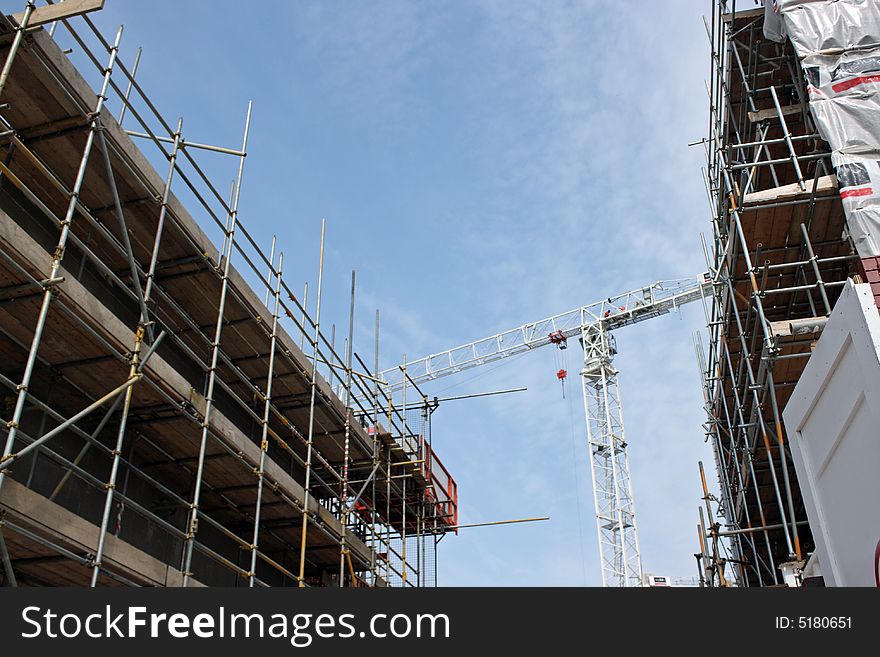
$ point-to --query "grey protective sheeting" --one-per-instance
(838, 42)
(773, 28)
(858, 179)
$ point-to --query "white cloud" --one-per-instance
(577, 118)
(616, 202)
(367, 56)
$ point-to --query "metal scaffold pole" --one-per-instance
(58, 255)
(220, 388)
(780, 252)
(9, 572)
(311, 432)
(117, 453)
(377, 458)
(264, 424)
(192, 525)
(163, 209)
(16, 44)
(343, 550)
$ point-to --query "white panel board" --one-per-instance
(833, 423)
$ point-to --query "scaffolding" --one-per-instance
(172, 418)
(779, 255)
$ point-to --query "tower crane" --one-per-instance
(609, 464)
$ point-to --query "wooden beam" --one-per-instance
(826, 186)
(771, 113)
(59, 11)
(75, 533)
(745, 13)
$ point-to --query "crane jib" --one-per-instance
(612, 313)
(619, 553)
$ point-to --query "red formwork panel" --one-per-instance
(441, 496)
(443, 491)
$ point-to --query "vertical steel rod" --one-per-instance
(127, 95)
(117, 453)
(814, 263)
(376, 456)
(192, 526)
(123, 231)
(271, 273)
(163, 210)
(264, 435)
(58, 255)
(345, 462)
(4, 555)
(16, 44)
(787, 135)
(311, 435)
(305, 305)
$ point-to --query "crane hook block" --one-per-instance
(561, 374)
(558, 339)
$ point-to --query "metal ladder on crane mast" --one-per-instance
(619, 551)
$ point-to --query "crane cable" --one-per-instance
(559, 360)
(501, 363)
(577, 489)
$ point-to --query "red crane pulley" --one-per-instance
(559, 339)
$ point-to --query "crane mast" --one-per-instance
(619, 552)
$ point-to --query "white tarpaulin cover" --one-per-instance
(848, 121)
(816, 26)
(858, 179)
(838, 42)
(773, 28)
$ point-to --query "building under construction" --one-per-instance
(791, 156)
(174, 414)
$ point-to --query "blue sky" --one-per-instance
(481, 165)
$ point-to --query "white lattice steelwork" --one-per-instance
(609, 463)
(612, 489)
(621, 310)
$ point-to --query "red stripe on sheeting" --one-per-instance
(864, 191)
(854, 82)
